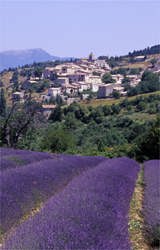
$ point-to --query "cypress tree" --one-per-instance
(2, 103)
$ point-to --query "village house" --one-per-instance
(118, 78)
(70, 89)
(139, 58)
(118, 88)
(61, 80)
(49, 73)
(54, 91)
(84, 96)
(77, 77)
(134, 79)
(102, 64)
(66, 68)
(83, 86)
(83, 66)
(94, 87)
(134, 82)
(94, 79)
(105, 90)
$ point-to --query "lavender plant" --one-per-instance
(23, 188)
(152, 200)
(90, 213)
(15, 158)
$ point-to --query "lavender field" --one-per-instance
(85, 200)
(23, 188)
(152, 200)
(11, 158)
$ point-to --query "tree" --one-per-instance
(15, 81)
(2, 103)
(122, 71)
(59, 100)
(71, 122)
(38, 72)
(107, 78)
(57, 139)
(115, 108)
(141, 106)
(135, 71)
(56, 114)
(153, 61)
(149, 145)
(116, 94)
(126, 80)
(17, 120)
(149, 83)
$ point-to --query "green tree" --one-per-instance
(59, 100)
(57, 139)
(56, 115)
(71, 122)
(149, 145)
(107, 78)
(116, 94)
(149, 83)
(2, 103)
(18, 119)
(141, 105)
(116, 108)
(15, 81)
(38, 72)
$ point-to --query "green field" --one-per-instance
(110, 101)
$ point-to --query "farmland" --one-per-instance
(110, 101)
(60, 201)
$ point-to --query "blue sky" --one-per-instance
(75, 28)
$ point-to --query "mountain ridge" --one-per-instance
(15, 58)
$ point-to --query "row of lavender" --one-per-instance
(90, 213)
(152, 200)
(23, 188)
(11, 158)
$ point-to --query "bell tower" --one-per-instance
(91, 57)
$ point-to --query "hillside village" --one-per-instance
(73, 81)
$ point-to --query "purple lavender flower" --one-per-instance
(91, 213)
(22, 188)
(11, 158)
(152, 199)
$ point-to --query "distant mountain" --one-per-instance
(15, 58)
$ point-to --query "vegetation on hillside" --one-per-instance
(147, 51)
(109, 130)
(119, 61)
(149, 83)
(114, 127)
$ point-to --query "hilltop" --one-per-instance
(15, 58)
(77, 79)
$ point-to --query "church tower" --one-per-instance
(91, 57)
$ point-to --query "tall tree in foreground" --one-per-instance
(149, 146)
(17, 120)
(2, 102)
